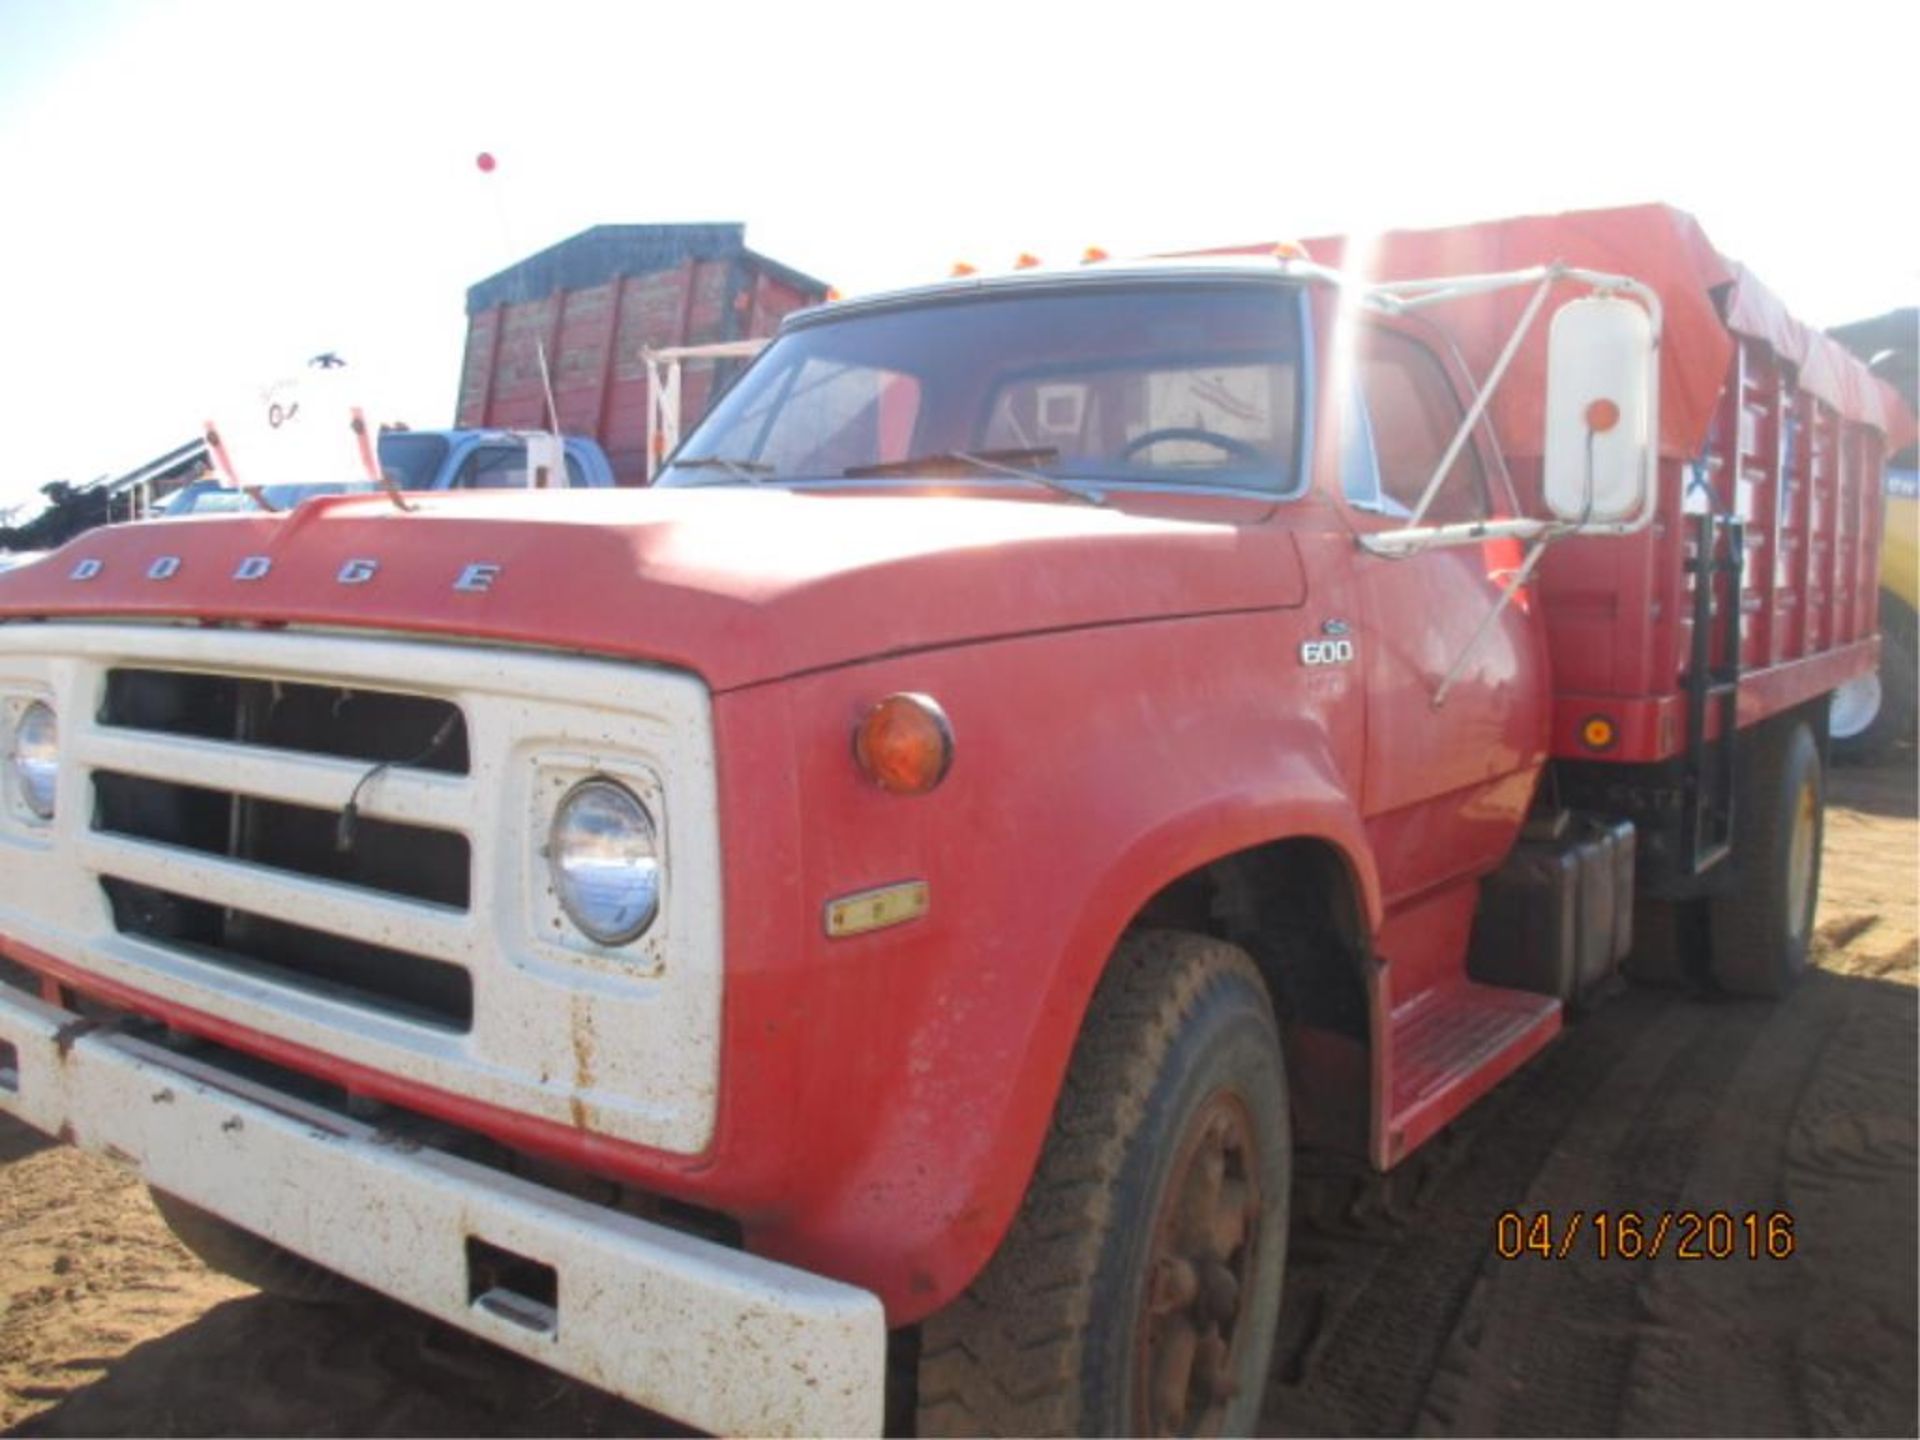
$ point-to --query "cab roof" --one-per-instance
(1104, 273)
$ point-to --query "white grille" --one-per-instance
(624, 1043)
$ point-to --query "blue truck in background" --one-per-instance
(419, 460)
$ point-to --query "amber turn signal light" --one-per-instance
(904, 744)
(1597, 733)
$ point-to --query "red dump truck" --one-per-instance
(879, 914)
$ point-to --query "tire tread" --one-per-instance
(1005, 1358)
(274, 1270)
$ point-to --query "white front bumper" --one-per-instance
(708, 1335)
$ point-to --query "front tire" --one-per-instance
(1138, 1290)
(272, 1269)
(1762, 930)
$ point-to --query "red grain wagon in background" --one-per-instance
(581, 315)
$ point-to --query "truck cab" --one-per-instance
(895, 897)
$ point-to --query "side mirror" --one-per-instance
(1600, 413)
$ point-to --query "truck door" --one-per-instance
(1445, 784)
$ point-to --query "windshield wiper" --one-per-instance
(994, 462)
(751, 471)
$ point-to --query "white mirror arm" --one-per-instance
(1403, 295)
(1410, 540)
(1484, 395)
(1474, 641)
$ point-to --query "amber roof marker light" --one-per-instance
(904, 744)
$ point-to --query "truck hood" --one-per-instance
(736, 585)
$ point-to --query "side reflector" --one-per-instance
(1597, 733)
(877, 909)
(904, 744)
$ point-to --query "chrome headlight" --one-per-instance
(34, 757)
(604, 859)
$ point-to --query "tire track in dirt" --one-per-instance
(1852, 1175)
(1557, 1334)
(1661, 1101)
(1583, 1345)
(1717, 1353)
(1382, 1297)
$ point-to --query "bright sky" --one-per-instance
(198, 196)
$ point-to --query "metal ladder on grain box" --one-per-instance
(1713, 688)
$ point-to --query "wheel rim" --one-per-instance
(1855, 704)
(1199, 1269)
(1800, 858)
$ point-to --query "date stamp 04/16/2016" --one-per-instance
(1644, 1235)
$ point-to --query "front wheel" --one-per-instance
(223, 1246)
(1138, 1289)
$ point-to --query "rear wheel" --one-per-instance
(254, 1261)
(1669, 943)
(1762, 929)
(1138, 1289)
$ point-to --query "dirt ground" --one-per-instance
(1400, 1315)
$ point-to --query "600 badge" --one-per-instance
(1326, 652)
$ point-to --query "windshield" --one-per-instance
(1184, 383)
